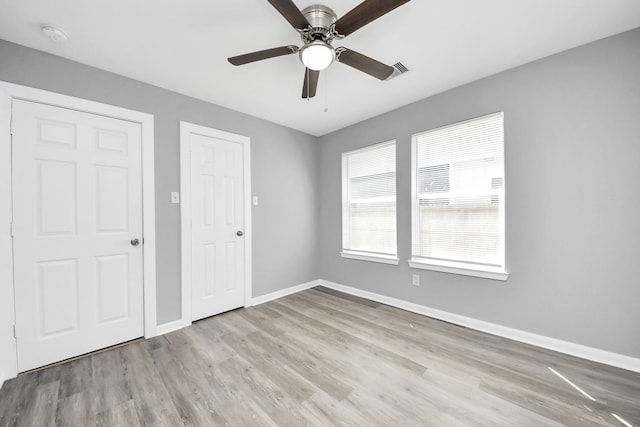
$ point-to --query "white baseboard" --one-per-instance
(175, 325)
(165, 328)
(578, 350)
(284, 292)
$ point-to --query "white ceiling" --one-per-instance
(182, 45)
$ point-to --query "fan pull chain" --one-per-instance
(326, 91)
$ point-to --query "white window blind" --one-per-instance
(369, 200)
(458, 203)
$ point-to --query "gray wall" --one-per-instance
(572, 146)
(283, 163)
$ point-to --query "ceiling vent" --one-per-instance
(398, 68)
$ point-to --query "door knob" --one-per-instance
(239, 233)
(135, 242)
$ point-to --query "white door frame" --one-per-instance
(8, 92)
(187, 129)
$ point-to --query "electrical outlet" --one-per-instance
(175, 197)
(416, 280)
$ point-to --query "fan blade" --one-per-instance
(310, 83)
(262, 54)
(365, 12)
(291, 13)
(363, 63)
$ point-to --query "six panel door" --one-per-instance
(217, 215)
(77, 210)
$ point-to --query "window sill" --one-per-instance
(362, 256)
(486, 272)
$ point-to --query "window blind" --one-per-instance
(458, 206)
(369, 199)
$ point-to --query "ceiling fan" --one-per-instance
(318, 26)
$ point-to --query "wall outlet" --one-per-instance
(175, 197)
(415, 281)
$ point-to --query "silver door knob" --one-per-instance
(239, 233)
(135, 242)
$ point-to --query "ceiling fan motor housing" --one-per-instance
(320, 18)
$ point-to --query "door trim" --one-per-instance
(10, 91)
(187, 129)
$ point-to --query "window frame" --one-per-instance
(355, 254)
(448, 266)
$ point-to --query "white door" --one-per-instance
(217, 225)
(77, 212)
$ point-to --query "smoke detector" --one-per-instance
(54, 34)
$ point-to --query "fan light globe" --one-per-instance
(317, 55)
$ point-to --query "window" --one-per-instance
(369, 203)
(458, 198)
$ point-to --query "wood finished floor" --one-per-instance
(322, 358)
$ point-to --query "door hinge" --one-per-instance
(15, 334)
(11, 229)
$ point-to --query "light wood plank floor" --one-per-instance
(323, 358)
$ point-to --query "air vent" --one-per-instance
(398, 68)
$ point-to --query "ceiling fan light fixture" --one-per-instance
(317, 55)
